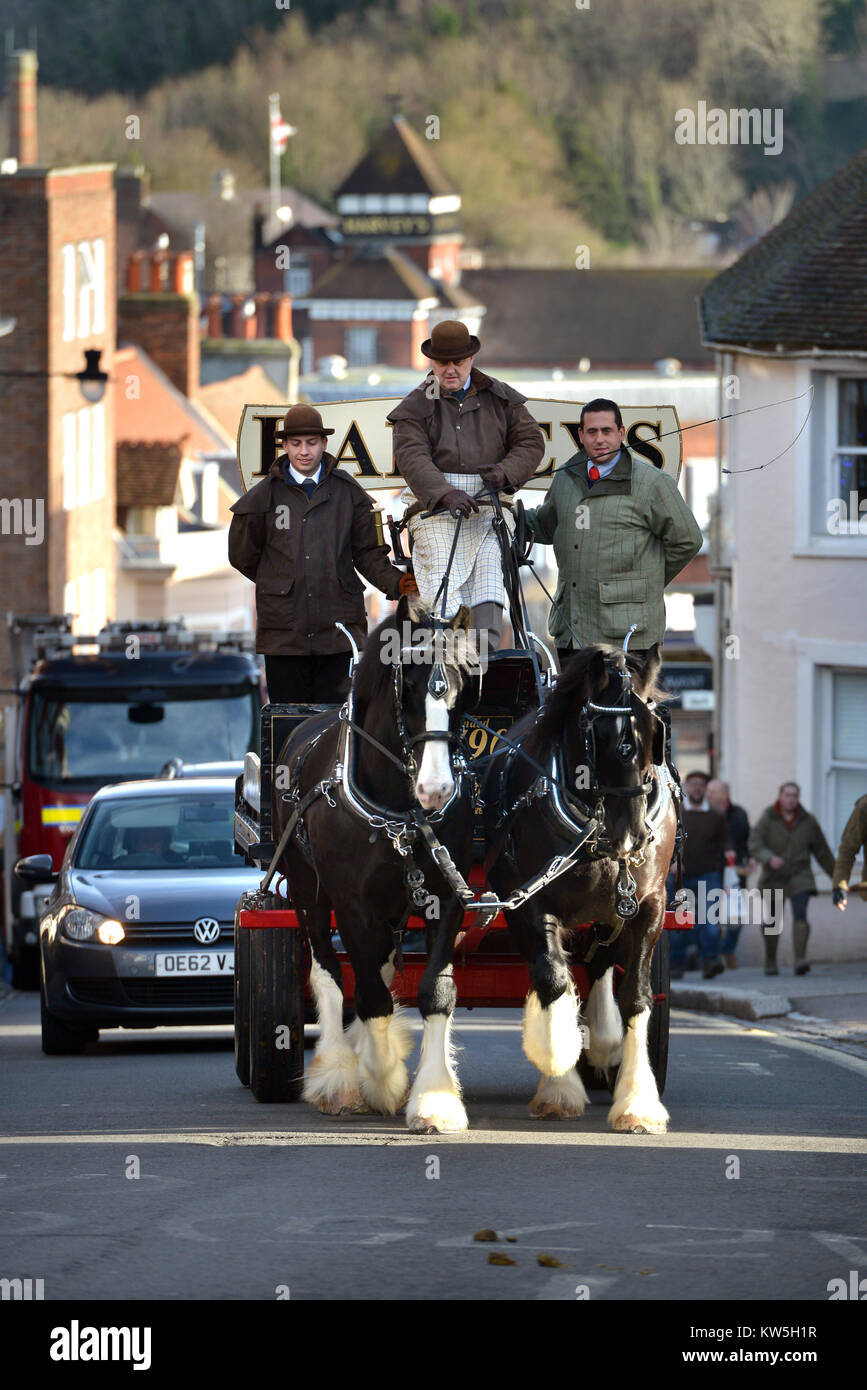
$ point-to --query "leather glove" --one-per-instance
(407, 585)
(494, 474)
(459, 503)
(839, 899)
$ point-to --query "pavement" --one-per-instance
(828, 1005)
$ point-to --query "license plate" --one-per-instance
(184, 964)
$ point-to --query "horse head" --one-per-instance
(622, 740)
(410, 690)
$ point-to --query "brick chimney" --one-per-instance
(21, 69)
(165, 323)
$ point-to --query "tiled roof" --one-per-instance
(147, 474)
(159, 412)
(626, 319)
(382, 273)
(225, 400)
(398, 162)
(803, 287)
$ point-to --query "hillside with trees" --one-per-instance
(557, 123)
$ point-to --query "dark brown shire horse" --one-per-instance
(602, 751)
(362, 851)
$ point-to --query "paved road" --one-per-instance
(235, 1200)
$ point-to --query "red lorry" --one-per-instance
(114, 707)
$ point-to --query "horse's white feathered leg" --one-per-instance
(331, 1080)
(383, 1044)
(559, 1097)
(602, 1017)
(551, 1037)
(637, 1105)
(435, 1103)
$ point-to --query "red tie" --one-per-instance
(593, 473)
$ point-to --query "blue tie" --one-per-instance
(308, 486)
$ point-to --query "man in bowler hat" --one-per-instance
(300, 534)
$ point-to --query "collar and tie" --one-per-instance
(309, 487)
(593, 474)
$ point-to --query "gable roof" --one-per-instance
(225, 400)
(803, 286)
(626, 319)
(397, 162)
(160, 413)
(373, 273)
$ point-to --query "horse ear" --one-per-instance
(411, 608)
(463, 618)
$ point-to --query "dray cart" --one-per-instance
(271, 954)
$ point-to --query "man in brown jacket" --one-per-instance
(300, 534)
(852, 843)
(457, 433)
(784, 839)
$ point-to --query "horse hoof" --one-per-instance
(437, 1113)
(549, 1110)
(343, 1101)
(637, 1124)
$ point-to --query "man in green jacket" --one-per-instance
(621, 531)
(784, 840)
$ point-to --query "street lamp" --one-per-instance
(92, 381)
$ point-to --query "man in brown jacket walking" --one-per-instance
(457, 433)
(784, 839)
(300, 534)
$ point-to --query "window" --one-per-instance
(69, 461)
(297, 280)
(848, 467)
(846, 724)
(361, 347)
(838, 501)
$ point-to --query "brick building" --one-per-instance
(57, 250)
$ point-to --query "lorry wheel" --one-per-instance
(276, 1014)
(242, 1002)
(660, 1014)
(61, 1039)
(25, 968)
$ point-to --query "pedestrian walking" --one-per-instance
(300, 534)
(785, 840)
(719, 796)
(707, 847)
(853, 842)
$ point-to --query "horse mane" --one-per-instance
(585, 679)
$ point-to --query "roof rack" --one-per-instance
(34, 637)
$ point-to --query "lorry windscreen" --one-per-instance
(74, 738)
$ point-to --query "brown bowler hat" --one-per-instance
(450, 339)
(302, 419)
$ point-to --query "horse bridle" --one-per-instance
(627, 742)
(437, 688)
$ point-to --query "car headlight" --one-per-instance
(80, 924)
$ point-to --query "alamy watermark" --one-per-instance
(737, 126)
(465, 647)
(754, 907)
(23, 516)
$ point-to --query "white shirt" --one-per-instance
(306, 477)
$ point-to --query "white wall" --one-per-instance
(798, 608)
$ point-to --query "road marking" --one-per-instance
(843, 1245)
(531, 1137)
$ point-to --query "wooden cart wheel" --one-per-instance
(242, 1001)
(276, 1014)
